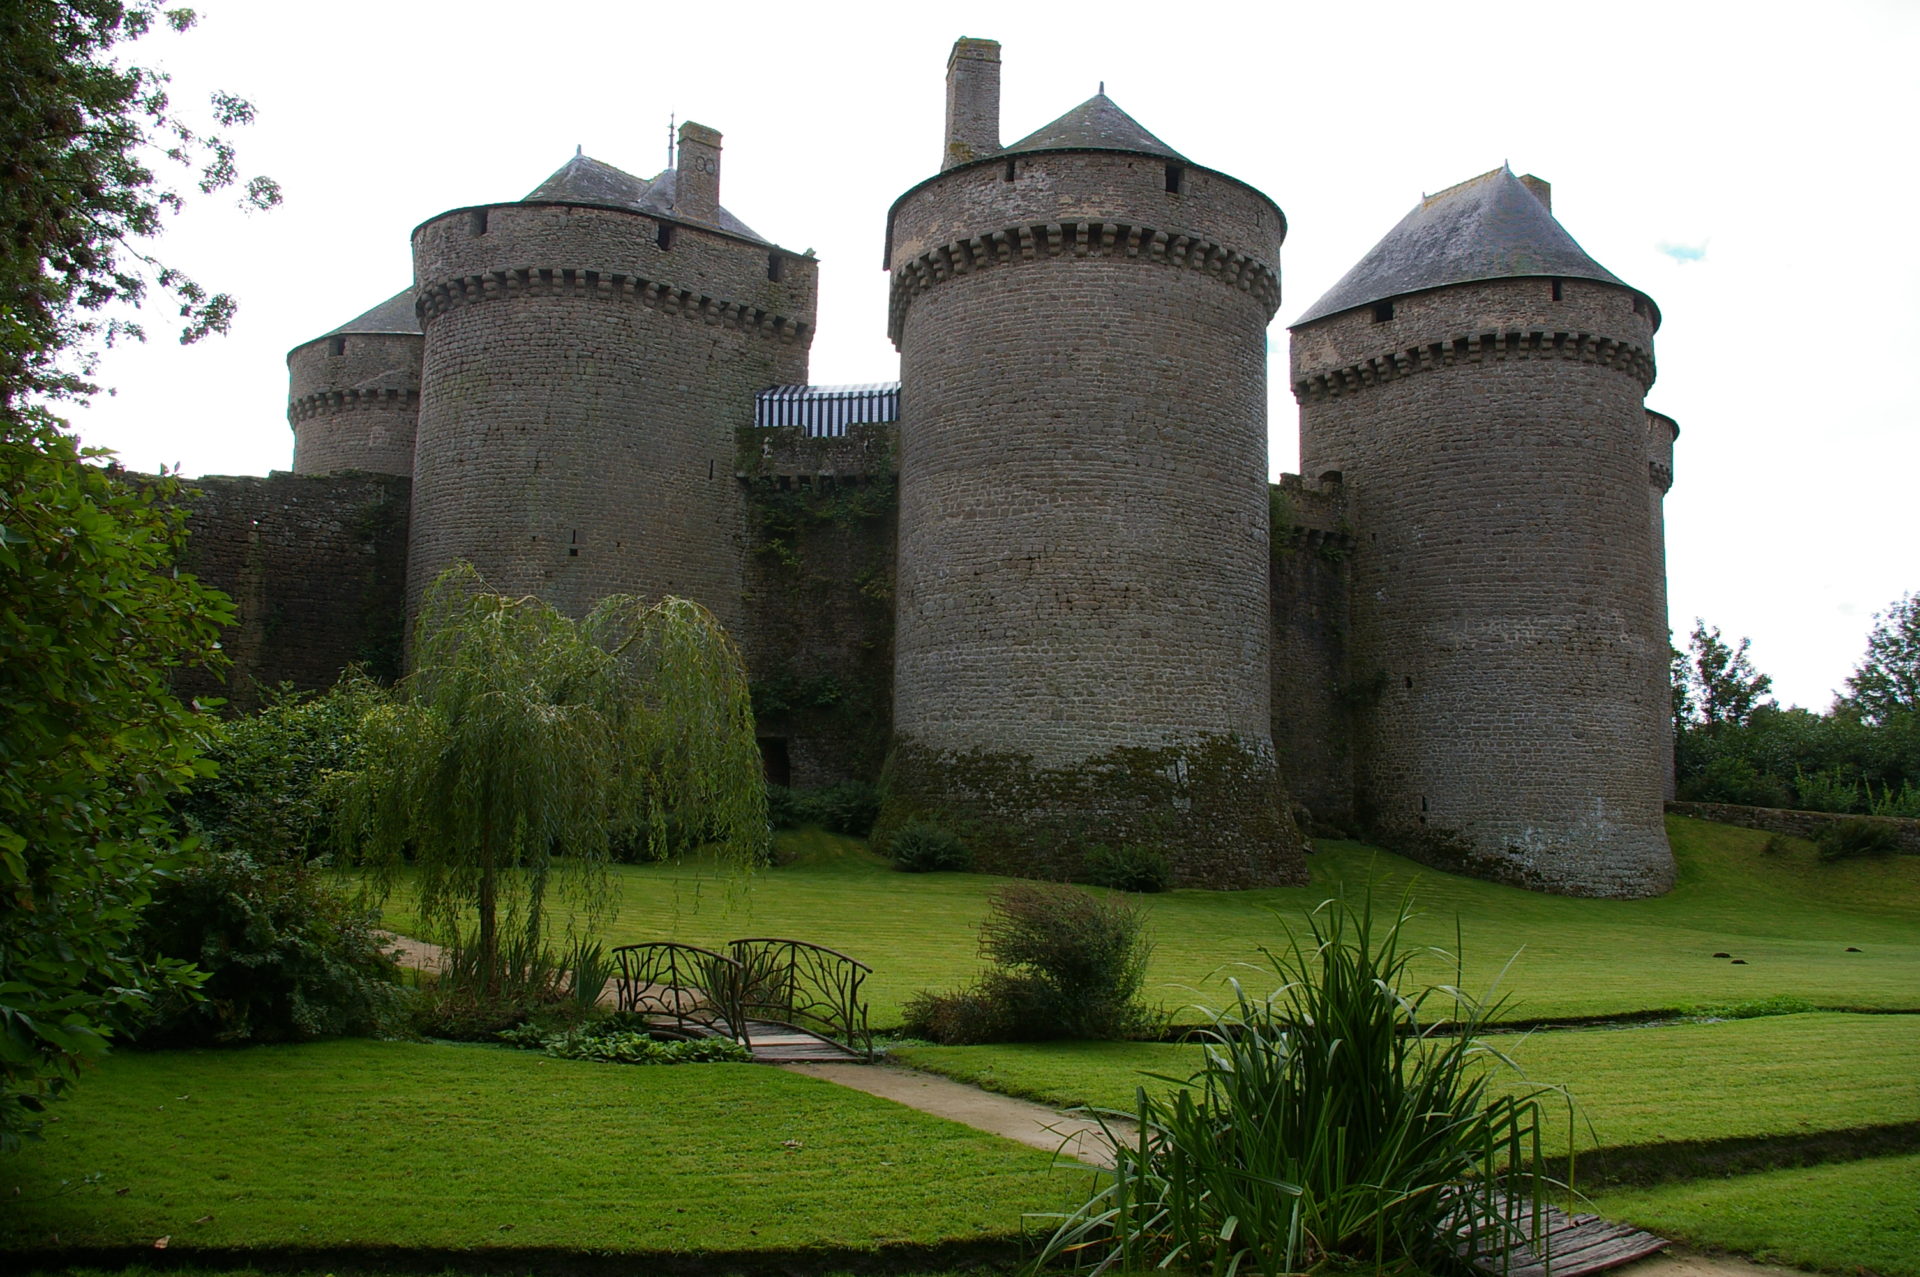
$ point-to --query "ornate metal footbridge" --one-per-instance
(784, 1000)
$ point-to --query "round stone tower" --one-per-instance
(1082, 627)
(354, 394)
(589, 353)
(1478, 384)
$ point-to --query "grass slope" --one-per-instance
(1856, 1217)
(1790, 917)
(367, 1144)
(1779, 1075)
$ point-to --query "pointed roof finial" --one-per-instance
(670, 139)
(1103, 88)
(576, 150)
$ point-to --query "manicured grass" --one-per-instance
(1854, 1217)
(1790, 917)
(365, 1144)
(1780, 1075)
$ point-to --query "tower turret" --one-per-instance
(353, 395)
(1082, 626)
(1478, 384)
(589, 352)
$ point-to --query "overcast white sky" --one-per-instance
(1752, 166)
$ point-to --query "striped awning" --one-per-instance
(827, 411)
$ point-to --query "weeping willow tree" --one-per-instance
(524, 743)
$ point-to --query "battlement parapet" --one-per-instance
(1078, 239)
(791, 458)
(326, 404)
(1630, 357)
(1311, 515)
(541, 281)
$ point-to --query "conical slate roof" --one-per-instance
(394, 315)
(1095, 125)
(1489, 227)
(585, 180)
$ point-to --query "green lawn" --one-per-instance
(345, 1145)
(1779, 1075)
(1855, 1217)
(1790, 917)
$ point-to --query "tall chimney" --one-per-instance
(696, 182)
(973, 101)
(1541, 188)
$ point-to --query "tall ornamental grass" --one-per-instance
(1337, 1122)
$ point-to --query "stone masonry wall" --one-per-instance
(1311, 566)
(353, 402)
(1798, 824)
(1083, 559)
(316, 568)
(584, 374)
(1507, 628)
(818, 632)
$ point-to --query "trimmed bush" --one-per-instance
(286, 954)
(625, 1039)
(922, 847)
(1862, 836)
(1127, 868)
(1069, 964)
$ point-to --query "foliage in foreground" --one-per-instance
(524, 744)
(1068, 964)
(285, 953)
(1336, 1121)
(626, 1039)
(93, 743)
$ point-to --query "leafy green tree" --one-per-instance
(92, 745)
(1887, 683)
(1722, 684)
(78, 202)
(92, 617)
(525, 742)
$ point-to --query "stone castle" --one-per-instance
(1043, 585)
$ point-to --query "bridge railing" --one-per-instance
(805, 986)
(697, 989)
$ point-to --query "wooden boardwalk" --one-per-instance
(1576, 1245)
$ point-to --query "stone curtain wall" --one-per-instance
(1313, 693)
(316, 567)
(581, 390)
(1798, 824)
(353, 402)
(1083, 508)
(1507, 599)
(818, 633)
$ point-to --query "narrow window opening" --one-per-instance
(1423, 802)
(1176, 177)
(573, 548)
(1558, 294)
(1009, 176)
(664, 237)
(709, 467)
(338, 346)
(477, 222)
(1409, 682)
(776, 267)
(1382, 312)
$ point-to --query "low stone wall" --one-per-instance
(1800, 824)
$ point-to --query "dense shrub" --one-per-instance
(287, 956)
(1127, 868)
(268, 796)
(849, 807)
(1345, 1122)
(1846, 839)
(1068, 964)
(922, 847)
